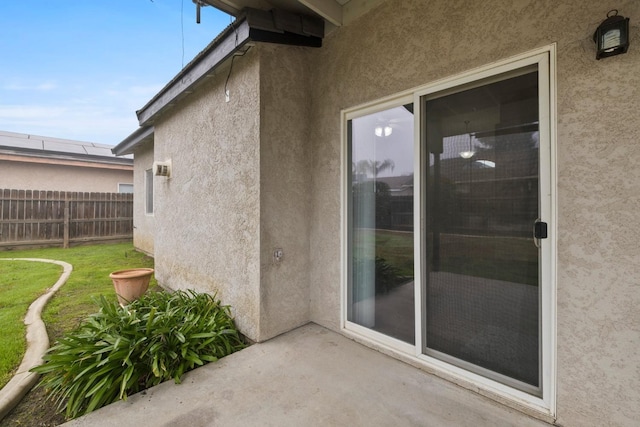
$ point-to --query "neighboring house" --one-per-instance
(31, 162)
(518, 277)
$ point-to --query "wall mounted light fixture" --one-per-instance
(383, 131)
(612, 35)
(468, 153)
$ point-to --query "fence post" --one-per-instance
(65, 241)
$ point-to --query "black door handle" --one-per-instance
(540, 230)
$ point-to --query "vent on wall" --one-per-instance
(162, 168)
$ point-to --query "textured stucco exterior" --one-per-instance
(284, 187)
(20, 175)
(207, 215)
(239, 189)
(407, 43)
(263, 172)
(143, 223)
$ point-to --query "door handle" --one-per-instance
(539, 231)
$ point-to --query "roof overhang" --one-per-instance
(61, 160)
(332, 11)
(56, 157)
(254, 25)
(43, 149)
(292, 22)
(128, 145)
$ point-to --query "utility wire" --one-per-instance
(182, 28)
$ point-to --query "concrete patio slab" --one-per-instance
(308, 377)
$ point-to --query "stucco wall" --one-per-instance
(408, 43)
(240, 173)
(284, 187)
(207, 215)
(40, 176)
(143, 223)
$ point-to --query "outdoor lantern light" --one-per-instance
(612, 36)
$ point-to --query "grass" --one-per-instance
(71, 304)
(500, 258)
(21, 282)
(90, 279)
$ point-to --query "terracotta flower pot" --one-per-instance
(131, 284)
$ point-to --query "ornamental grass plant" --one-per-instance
(119, 351)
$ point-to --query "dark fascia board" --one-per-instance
(253, 26)
(129, 144)
(288, 39)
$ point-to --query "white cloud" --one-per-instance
(104, 114)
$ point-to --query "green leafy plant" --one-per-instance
(385, 278)
(120, 351)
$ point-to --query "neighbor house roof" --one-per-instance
(43, 149)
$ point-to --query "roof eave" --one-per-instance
(130, 143)
(224, 46)
(275, 26)
(56, 155)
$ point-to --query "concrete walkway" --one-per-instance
(37, 342)
(308, 377)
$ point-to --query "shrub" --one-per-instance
(120, 351)
(386, 276)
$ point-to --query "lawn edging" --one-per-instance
(37, 342)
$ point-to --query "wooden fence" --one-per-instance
(57, 218)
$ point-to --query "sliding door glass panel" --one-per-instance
(381, 285)
(482, 200)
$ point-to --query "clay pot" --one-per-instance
(131, 284)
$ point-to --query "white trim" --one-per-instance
(419, 179)
(553, 135)
(148, 172)
(380, 338)
(387, 103)
(545, 58)
(344, 203)
(329, 10)
(547, 182)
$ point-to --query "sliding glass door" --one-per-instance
(448, 197)
(482, 203)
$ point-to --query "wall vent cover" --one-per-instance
(162, 168)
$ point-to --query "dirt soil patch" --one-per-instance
(35, 410)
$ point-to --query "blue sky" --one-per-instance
(79, 69)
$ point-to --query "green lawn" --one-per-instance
(501, 258)
(21, 282)
(74, 301)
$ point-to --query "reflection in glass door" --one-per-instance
(381, 243)
(482, 200)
